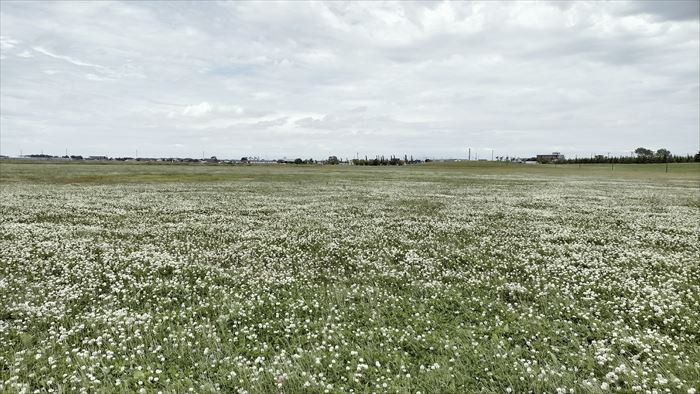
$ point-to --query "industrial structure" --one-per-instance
(555, 156)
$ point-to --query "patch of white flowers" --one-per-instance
(370, 285)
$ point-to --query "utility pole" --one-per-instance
(612, 165)
(470, 154)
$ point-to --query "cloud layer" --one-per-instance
(313, 79)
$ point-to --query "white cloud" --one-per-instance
(7, 42)
(66, 58)
(200, 109)
(230, 109)
(94, 77)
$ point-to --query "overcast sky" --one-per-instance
(314, 79)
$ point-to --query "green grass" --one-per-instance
(110, 173)
(441, 277)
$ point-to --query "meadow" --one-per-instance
(432, 278)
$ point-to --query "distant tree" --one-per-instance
(663, 153)
(644, 152)
(244, 159)
(310, 161)
(697, 157)
(298, 160)
(333, 160)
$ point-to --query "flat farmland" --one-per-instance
(440, 277)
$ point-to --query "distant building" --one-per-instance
(97, 158)
(555, 156)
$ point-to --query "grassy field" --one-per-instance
(129, 172)
(443, 277)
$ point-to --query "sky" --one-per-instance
(274, 80)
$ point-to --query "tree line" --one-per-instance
(641, 155)
(383, 161)
(377, 161)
